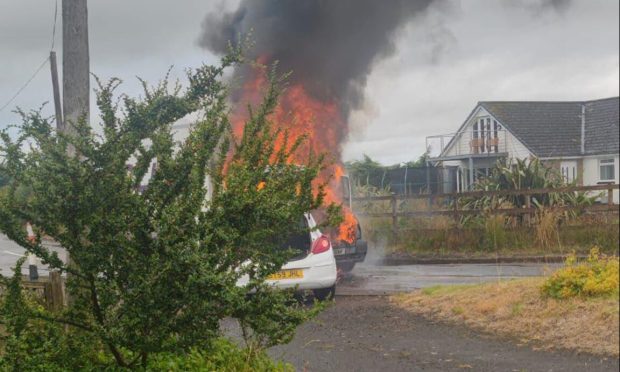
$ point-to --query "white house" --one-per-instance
(578, 138)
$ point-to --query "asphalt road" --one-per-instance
(368, 279)
(361, 333)
(11, 252)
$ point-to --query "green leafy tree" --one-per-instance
(4, 180)
(154, 261)
(365, 171)
(421, 161)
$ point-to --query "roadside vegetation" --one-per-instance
(574, 308)
(548, 231)
(154, 262)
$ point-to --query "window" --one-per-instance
(569, 171)
(606, 169)
(485, 136)
(299, 239)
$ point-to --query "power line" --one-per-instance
(25, 84)
(21, 89)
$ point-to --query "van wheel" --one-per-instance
(323, 294)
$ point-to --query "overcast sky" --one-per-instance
(448, 58)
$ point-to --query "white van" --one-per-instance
(314, 268)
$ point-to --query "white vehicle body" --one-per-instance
(319, 270)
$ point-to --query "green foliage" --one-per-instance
(421, 161)
(368, 174)
(495, 233)
(522, 175)
(597, 277)
(223, 355)
(31, 343)
(526, 174)
(4, 179)
(34, 344)
(366, 171)
(155, 262)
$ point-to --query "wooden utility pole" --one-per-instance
(56, 90)
(75, 63)
(75, 70)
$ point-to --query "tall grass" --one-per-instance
(549, 232)
(546, 228)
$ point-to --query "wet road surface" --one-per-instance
(368, 279)
(361, 333)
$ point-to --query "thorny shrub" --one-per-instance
(596, 277)
(154, 267)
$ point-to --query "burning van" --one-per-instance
(347, 240)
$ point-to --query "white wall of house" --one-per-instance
(592, 171)
(587, 169)
(508, 143)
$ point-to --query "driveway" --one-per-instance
(365, 333)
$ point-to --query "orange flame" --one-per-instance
(302, 115)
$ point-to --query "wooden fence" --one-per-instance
(49, 289)
(527, 210)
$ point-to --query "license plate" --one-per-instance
(342, 251)
(339, 251)
(287, 274)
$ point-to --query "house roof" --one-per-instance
(553, 129)
(602, 129)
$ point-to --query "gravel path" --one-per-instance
(361, 333)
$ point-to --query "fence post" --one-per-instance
(56, 294)
(610, 196)
(528, 205)
(394, 217)
(456, 211)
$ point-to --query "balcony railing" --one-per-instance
(467, 143)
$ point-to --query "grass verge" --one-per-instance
(516, 309)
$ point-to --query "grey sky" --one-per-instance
(448, 58)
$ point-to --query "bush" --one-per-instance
(33, 344)
(155, 255)
(223, 356)
(30, 343)
(596, 277)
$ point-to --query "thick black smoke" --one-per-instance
(329, 45)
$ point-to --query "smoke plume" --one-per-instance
(329, 45)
